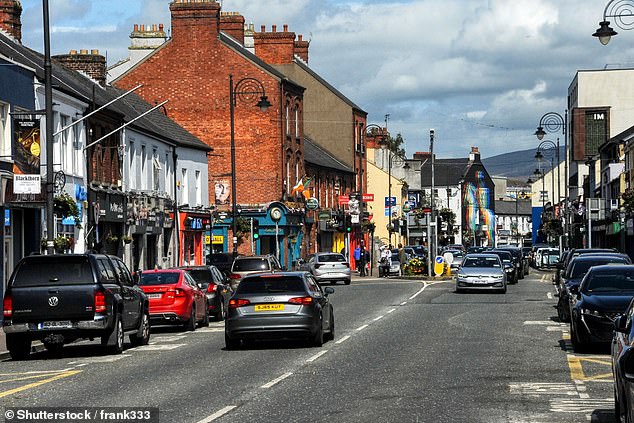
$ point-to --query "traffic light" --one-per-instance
(348, 224)
(256, 229)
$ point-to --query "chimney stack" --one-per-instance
(474, 156)
(232, 24)
(276, 48)
(301, 48)
(200, 17)
(92, 64)
(422, 155)
(10, 18)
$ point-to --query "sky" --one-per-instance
(479, 72)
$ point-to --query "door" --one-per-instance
(132, 307)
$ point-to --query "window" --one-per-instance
(297, 122)
(156, 171)
(596, 131)
(65, 150)
(184, 188)
(104, 270)
(143, 185)
(122, 273)
(199, 191)
(5, 131)
(168, 183)
(288, 175)
(288, 120)
(132, 180)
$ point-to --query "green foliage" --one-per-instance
(628, 200)
(65, 206)
(415, 266)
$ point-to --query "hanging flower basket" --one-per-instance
(127, 239)
(65, 206)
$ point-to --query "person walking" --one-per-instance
(357, 256)
(402, 257)
(385, 262)
(361, 261)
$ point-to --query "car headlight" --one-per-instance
(461, 276)
(498, 277)
(589, 312)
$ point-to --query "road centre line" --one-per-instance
(316, 356)
(403, 303)
(360, 328)
(276, 380)
(218, 414)
(344, 339)
(376, 319)
(392, 310)
(419, 292)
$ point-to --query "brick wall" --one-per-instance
(276, 48)
(10, 22)
(92, 64)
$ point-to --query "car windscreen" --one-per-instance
(44, 271)
(609, 280)
(202, 276)
(329, 258)
(159, 278)
(419, 250)
(480, 262)
(250, 264)
(270, 284)
(504, 256)
(581, 267)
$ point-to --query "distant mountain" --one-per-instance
(518, 165)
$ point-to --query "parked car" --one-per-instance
(418, 251)
(546, 258)
(223, 261)
(247, 265)
(327, 267)
(395, 266)
(622, 364)
(280, 305)
(511, 271)
(455, 259)
(575, 272)
(475, 250)
(175, 298)
(605, 293)
(481, 271)
(568, 255)
(60, 298)
(215, 285)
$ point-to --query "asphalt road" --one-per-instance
(405, 351)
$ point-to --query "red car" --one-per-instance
(175, 298)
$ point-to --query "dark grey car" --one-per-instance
(284, 305)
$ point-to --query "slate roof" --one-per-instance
(318, 156)
(524, 207)
(85, 89)
(447, 172)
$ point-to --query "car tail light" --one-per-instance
(318, 265)
(100, 302)
(8, 305)
(212, 287)
(301, 300)
(346, 264)
(238, 303)
(179, 293)
(234, 276)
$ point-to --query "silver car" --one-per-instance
(481, 271)
(327, 267)
(247, 265)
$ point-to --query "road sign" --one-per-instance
(344, 199)
(368, 197)
(354, 218)
(439, 265)
(389, 200)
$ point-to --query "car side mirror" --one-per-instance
(199, 285)
(329, 290)
(620, 324)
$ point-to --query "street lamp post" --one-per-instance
(48, 101)
(246, 89)
(548, 146)
(619, 10)
(549, 123)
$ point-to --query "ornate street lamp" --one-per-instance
(619, 10)
(552, 149)
(247, 90)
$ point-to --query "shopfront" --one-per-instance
(107, 216)
(193, 228)
(150, 230)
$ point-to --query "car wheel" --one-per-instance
(618, 409)
(205, 321)
(317, 340)
(578, 344)
(117, 336)
(142, 337)
(19, 347)
(330, 336)
(347, 281)
(231, 344)
(561, 312)
(503, 290)
(190, 325)
(220, 316)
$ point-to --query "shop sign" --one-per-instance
(27, 184)
(312, 203)
(324, 215)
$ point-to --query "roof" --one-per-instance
(524, 208)
(85, 89)
(318, 156)
(447, 172)
(325, 83)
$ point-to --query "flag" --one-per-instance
(306, 194)
(299, 186)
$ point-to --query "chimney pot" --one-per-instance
(136, 27)
(300, 36)
(142, 28)
(274, 28)
(161, 27)
(285, 27)
(73, 52)
(83, 51)
(263, 28)
(94, 51)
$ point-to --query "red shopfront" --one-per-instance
(192, 237)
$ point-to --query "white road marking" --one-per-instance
(344, 339)
(580, 405)
(210, 329)
(376, 319)
(537, 389)
(168, 338)
(403, 303)
(156, 347)
(392, 310)
(419, 292)
(549, 295)
(218, 414)
(82, 364)
(539, 322)
(362, 327)
(276, 381)
(316, 356)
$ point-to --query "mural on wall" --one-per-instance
(477, 203)
(222, 191)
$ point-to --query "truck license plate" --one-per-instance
(62, 324)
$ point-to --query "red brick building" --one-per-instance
(192, 71)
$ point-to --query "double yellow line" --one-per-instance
(51, 376)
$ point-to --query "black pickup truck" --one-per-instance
(60, 298)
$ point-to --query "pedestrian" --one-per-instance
(402, 256)
(361, 261)
(368, 263)
(385, 262)
(357, 256)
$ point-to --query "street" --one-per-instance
(404, 351)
